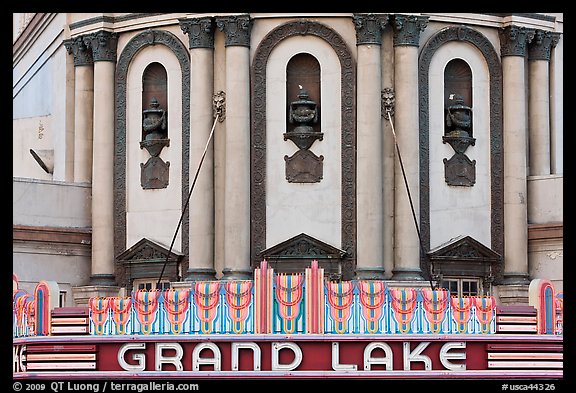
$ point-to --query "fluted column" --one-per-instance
(84, 107)
(407, 30)
(513, 43)
(369, 29)
(237, 30)
(103, 45)
(201, 207)
(539, 101)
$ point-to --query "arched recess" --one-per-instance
(136, 44)
(473, 37)
(258, 134)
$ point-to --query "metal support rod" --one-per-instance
(388, 115)
(219, 109)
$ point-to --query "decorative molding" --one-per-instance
(294, 255)
(369, 28)
(237, 29)
(541, 46)
(258, 133)
(77, 48)
(473, 37)
(147, 250)
(464, 256)
(103, 44)
(554, 231)
(147, 259)
(514, 40)
(27, 233)
(548, 18)
(200, 32)
(407, 29)
(464, 248)
(137, 43)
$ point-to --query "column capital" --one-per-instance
(200, 32)
(82, 54)
(514, 40)
(103, 45)
(542, 44)
(237, 29)
(369, 28)
(407, 29)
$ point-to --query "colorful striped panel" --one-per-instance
(521, 356)
(60, 357)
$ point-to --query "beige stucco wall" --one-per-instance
(456, 211)
(155, 213)
(312, 208)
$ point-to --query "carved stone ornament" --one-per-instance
(77, 48)
(304, 167)
(460, 171)
(407, 29)
(514, 40)
(541, 46)
(148, 259)
(295, 254)
(388, 100)
(304, 113)
(200, 32)
(458, 125)
(103, 44)
(154, 173)
(369, 28)
(236, 28)
(464, 256)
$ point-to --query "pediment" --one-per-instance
(463, 248)
(147, 250)
(303, 246)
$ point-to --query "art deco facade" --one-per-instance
(415, 148)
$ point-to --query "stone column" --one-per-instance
(407, 30)
(103, 45)
(388, 151)
(201, 206)
(539, 101)
(369, 29)
(84, 108)
(237, 30)
(513, 43)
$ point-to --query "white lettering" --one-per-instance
(415, 356)
(197, 360)
(336, 360)
(175, 360)
(248, 345)
(139, 357)
(445, 357)
(386, 360)
(276, 347)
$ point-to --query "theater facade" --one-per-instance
(308, 195)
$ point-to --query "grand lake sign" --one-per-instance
(289, 325)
